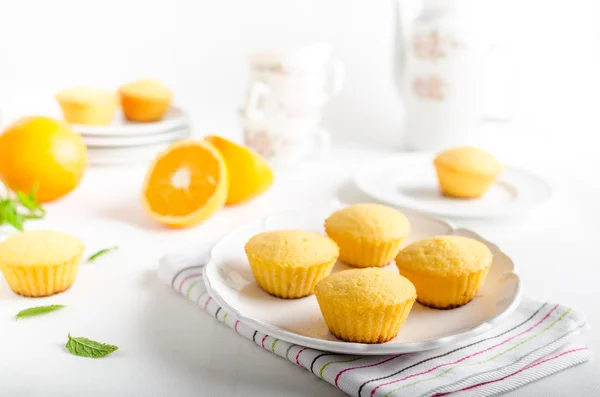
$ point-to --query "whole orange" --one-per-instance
(44, 153)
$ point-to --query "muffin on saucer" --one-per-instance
(88, 106)
(289, 263)
(41, 262)
(369, 235)
(447, 271)
(145, 100)
(365, 305)
(466, 172)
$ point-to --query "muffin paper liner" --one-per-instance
(461, 184)
(365, 253)
(371, 325)
(286, 281)
(36, 281)
(92, 115)
(144, 109)
(445, 292)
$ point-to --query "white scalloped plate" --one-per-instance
(175, 118)
(229, 280)
(109, 142)
(409, 181)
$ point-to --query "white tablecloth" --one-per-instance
(168, 348)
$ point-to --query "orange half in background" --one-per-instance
(185, 184)
(249, 174)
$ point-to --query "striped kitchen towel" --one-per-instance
(536, 341)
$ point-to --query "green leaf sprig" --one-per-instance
(85, 347)
(17, 208)
(36, 311)
(100, 253)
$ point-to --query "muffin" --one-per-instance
(466, 172)
(87, 106)
(446, 270)
(289, 263)
(41, 262)
(145, 100)
(369, 235)
(365, 305)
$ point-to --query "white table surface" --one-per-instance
(168, 347)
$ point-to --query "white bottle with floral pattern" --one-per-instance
(440, 65)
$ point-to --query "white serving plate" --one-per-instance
(116, 156)
(174, 119)
(409, 181)
(141, 140)
(230, 281)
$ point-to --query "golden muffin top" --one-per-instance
(146, 88)
(294, 248)
(469, 159)
(39, 248)
(445, 255)
(371, 286)
(370, 222)
(86, 96)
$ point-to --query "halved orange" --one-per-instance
(249, 174)
(185, 184)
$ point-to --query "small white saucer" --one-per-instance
(230, 282)
(112, 141)
(174, 119)
(409, 181)
(127, 155)
(116, 151)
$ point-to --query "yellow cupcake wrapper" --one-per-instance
(144, 109)
(92, 115)
(36, 281)
(372, 325)
(462, 184)
(446, 292)
(366, 253)
(286, 281)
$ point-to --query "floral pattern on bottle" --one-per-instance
(434, 46)
(429, 87)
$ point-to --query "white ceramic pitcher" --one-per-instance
(441, 55)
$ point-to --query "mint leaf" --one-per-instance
(28, 201)
(9, 214)
(5, 205)
(33, 216)
(15, 210)
(36, 311)
(98, 254)
(16, 220)
(88, 348)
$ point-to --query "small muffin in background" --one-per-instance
(365, 305)
(40, 263)
(466, 172)
(289, 263)
(369, 235)
(145, 100)
(88, 106)
(447, 271)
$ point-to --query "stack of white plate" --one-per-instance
(129, 142)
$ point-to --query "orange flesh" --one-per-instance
(182, 181)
